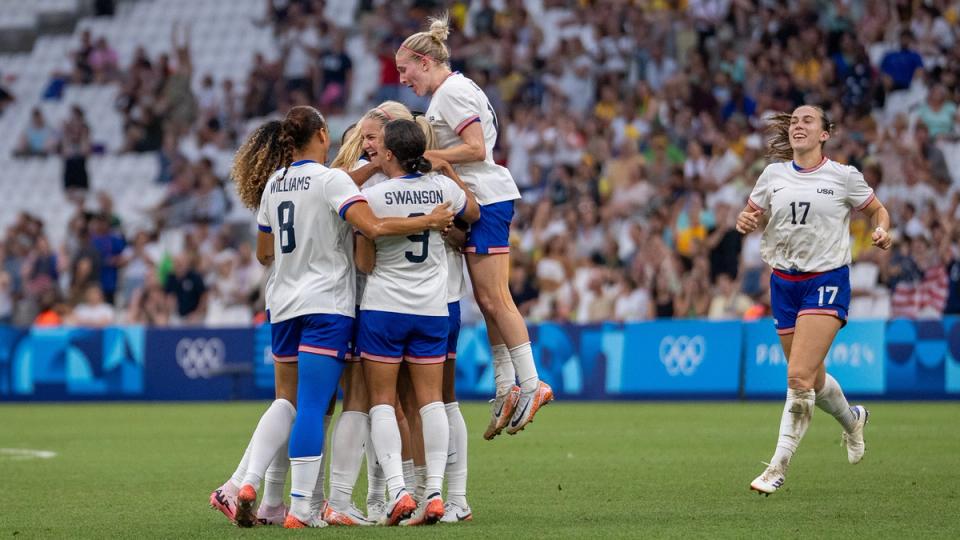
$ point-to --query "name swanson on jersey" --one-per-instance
(413, 197)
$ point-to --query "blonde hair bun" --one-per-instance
(440, 27)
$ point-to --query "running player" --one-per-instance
(466, 128)
(806, 200)
(404, 315)
(312, 295)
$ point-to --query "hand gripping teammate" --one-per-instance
(806, 200)
(404, 316)
(466, 128)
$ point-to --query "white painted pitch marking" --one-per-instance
(19, 454)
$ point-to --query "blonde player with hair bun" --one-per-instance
(806, 200)
(467, 128)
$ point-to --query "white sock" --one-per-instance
(318, 496)
(797, 413)
(457, 469)
(346, 455)
(272, 432)
(303, 480)
(503, 373)
(237, 478)
(275, 478)
(376, 484)
(830, 399)
(436, 436)
(522, 357)
(386, 440)
(420, 481)
(409, 475)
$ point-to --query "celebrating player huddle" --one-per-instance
(402, 214)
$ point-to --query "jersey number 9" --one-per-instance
(423, 239)
(288, 240)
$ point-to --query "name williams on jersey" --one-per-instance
(291, 183)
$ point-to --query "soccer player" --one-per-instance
(403, 316)
(466, 128)
(352, 430)
(806, 201)
(312, 296)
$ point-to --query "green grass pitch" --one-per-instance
(639, 470)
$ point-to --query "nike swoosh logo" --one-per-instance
(520, 416)
(776, 189)
(461, 517)
(500, 410)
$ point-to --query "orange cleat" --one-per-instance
(527, 407)
(501, 412)
(246, 515)
(427, 513)
(349, 518)
(293, 522)
(399, 509)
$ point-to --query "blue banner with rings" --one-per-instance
(684, 359)
(856, 359)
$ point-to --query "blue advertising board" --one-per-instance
(856, 359)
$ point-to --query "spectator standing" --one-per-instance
(75, 146)
(186, 291)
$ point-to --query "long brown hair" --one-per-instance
(270, 147)
(778, 128)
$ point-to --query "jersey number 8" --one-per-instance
(423, 239)
(288, 240)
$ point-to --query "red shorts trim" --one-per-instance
(785, 331)
(833, 312)
(796, 277)
(490, 251)
(285, 359)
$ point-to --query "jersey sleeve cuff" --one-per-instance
(463, 125)
(348, 203)
(753, 205)
(867, 202)
(264, 228)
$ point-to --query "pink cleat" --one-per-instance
(224, 499)
(272, 515)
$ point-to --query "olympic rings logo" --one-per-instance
(681, 355)
(200, 357)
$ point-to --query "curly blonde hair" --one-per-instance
(432, 44)
(352, 147)
(778, 128)
(270, 147)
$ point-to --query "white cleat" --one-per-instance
(376, 509)
(528, 405)
(771, 480)
(454, 513)
(350, 517)
(853, 441)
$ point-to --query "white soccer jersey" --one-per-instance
(809, 214)
(456, 104)
(455, 283)
(375, 179)
(410, 275)
(312, 244)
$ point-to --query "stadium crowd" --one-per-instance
(634, 130)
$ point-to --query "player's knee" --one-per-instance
(801, 381)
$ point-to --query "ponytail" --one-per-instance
(778, 128)
(418, 164)
(271, 147)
